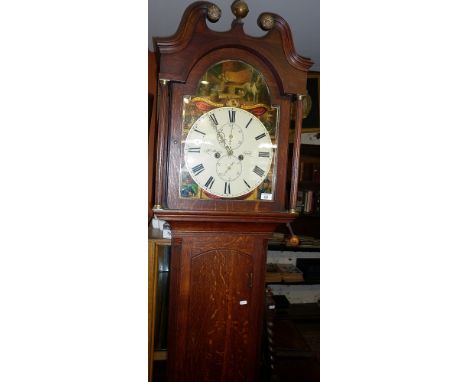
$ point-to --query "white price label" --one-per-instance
(264, 196)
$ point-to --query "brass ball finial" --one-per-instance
(214, 13)
(266, 21)
(240, 9)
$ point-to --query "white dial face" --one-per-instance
(228, 152)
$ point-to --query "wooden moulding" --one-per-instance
(195, 221)
(194, 39)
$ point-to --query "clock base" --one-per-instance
(216, 295)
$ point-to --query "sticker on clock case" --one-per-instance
(265, 196)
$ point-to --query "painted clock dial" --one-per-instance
(228, 152)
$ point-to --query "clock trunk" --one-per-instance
(218, 285)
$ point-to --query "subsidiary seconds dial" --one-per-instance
(228, 152)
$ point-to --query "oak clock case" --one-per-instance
(224, 113)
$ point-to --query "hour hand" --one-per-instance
(221, 138)
(222, 142)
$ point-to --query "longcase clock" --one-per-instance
(224, 108)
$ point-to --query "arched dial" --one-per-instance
(228, 152)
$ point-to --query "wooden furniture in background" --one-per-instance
(308, 190)
(294, 344)
(158, 258)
